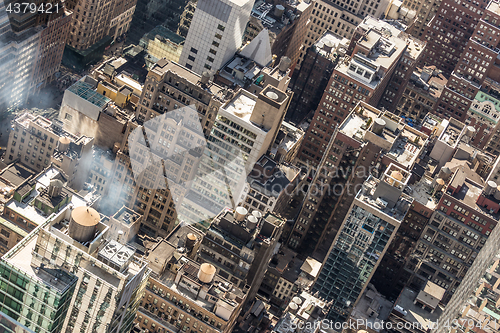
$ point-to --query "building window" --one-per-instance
(214, 43)
(207, 66)
(195, 51)
(191, 58)
(213, 52)
(218, 36)
(221, 28)
(210, 59)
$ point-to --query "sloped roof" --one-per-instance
(259, 49)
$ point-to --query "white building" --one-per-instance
(243, 131)
(215, 34)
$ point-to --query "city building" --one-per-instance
(473, 78)
(286, 22)
(40, 196)
(169, 111)
(31, 52)
(101, 171)
(471, 285)
(95, 25)
(421, 94)
(315, 71)
(66, 281)
(307, 311)
(96, 109)
(286, 277)
(481, 308)
(287, 143)
(270, 186)
(391, 276)
(368, 229)
(253, 68)
(364, 76)
(184, 294)
(367, 141)
(370, 312)
(186, 18)
(162, 43)
(458, 230)
(215, 34)
(37, 143)
(244, 129)
(417, 311)
(341, 18)
(447, 35)
(240, 245)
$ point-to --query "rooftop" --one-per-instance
(88, 93)
(161, 32)
(219, 287)
(452, 130)
(422, 192)
(26, 208)
(370, 196)
(126, 215)
(268, 177)
(407, 309)
(402, 143)
(241, 105)
(163, 66)
(373, 308)
(53, 277)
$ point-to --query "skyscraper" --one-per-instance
(30, 51)
(365, 234)
(215, 34)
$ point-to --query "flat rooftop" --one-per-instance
(422, 191)
(414, 313)
(54, 278)
(126, 216)
(241, 106)
(190, 269)
(366, 196)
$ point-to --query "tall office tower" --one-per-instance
(364, 77)
(339, 17)
(37, 142)
(447, 34)
(215, 34)
(68, 276)
(185, 294)
(474, 79)
(240, 245)
(244, 129)
(31, 50)
(366, 233)
(354, 152)
(312, 78)
(96, 24)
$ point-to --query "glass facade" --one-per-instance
(36, 305)
(360, 244)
